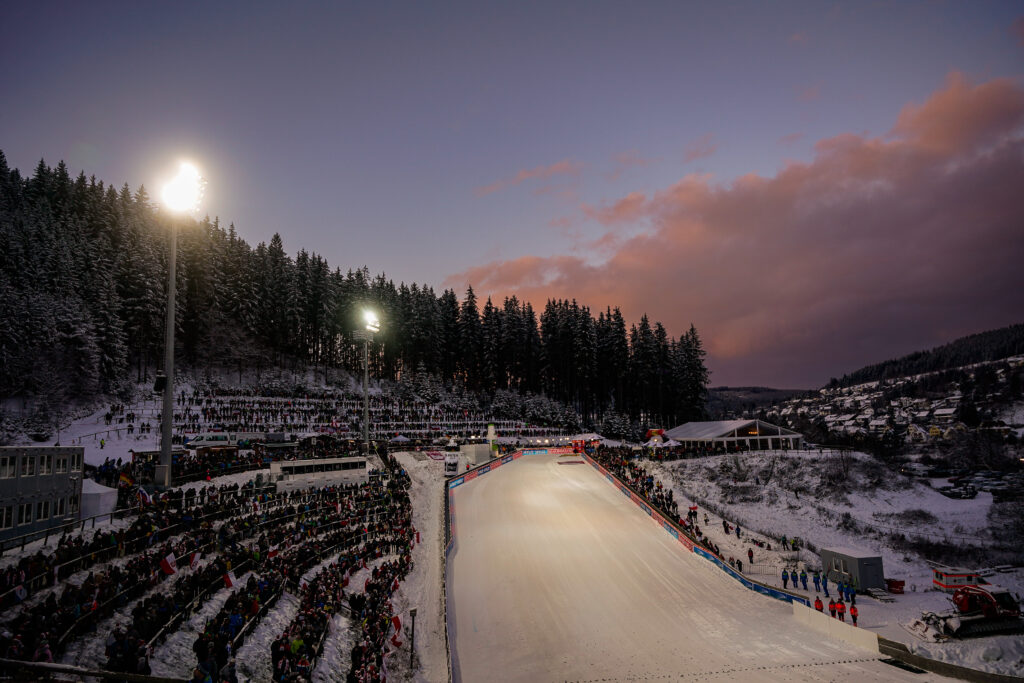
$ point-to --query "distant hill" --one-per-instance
(975, 348)
(728, 402)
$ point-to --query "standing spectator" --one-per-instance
(818, 604)
(854, 613)
(750, 556)
(817, 582)
(832, 608)
(785, 579)
(803, 578)
(841, 610)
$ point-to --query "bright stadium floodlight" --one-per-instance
(181, 195)
(372, 322)
(184, 192)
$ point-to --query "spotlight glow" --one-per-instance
(183, 193)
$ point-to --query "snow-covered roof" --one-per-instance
(853, 552)
(723, 428)
(945, 412)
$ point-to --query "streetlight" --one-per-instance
(181, 196)
(412, 644)
(372, 324)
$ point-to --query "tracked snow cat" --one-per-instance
(978, 611)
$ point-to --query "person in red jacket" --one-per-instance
(818, 605)
(853, 614)
(832, 608)
(841, 610)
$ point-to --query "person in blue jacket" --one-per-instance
(817, 582)
(824, 584)
(785, 579)
(803, 578)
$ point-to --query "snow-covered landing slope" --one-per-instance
(557, 576)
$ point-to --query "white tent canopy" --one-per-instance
(750, 434)
(399, 439)
(97, 499)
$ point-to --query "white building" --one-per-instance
(732, 434)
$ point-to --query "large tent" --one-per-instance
(756, 435)
(97, 499)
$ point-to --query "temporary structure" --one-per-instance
(97, 499)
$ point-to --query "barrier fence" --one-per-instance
(691, 543)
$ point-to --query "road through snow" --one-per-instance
(556, 576)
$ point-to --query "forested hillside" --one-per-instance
(976, 348)
(82, 300)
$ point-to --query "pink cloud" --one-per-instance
(962, 116)
(702, 147)
(791, 139)
(877, 246)
(626, 210)
(564, 167)
(627, 160)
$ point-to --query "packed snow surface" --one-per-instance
(556, 576)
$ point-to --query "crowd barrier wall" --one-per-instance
(480, 470)
(833, 628)
(691, 543)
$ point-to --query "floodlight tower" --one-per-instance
(365, 335)
(181, 196)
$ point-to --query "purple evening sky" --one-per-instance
(599, 150)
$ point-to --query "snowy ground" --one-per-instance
(422, 588)
(557, 576)
(174, 657)
(809, 518)
(253, 660)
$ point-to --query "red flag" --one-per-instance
(397, 623)
(394, 587)
(168, 564)
(229, 580)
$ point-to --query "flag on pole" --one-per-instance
(397, 623)
(168, 564)
(193, 561)
(144, 498)
(126, 479)
(229, 579)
